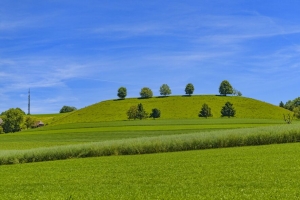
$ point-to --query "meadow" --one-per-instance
(96, 153)
(257, 172)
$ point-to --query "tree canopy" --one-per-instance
(205, 111)
(225, 88)
(66, 109)
(12, 120)
(165, 90)
(189, 89)
(228, 110)
(122, 92)
(155, 113)
(146, 92)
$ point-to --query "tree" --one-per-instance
(132, 112)
(66, 109)
(12, 120)
(236, 92)
(189, 89)
(165, 90)
(281, 104)
(228, 110)
(205, 111)
(225, 88)
(155, 113)
(146, 92)
(29, 122)
(141, 113)
(297, 112)
(122, 92)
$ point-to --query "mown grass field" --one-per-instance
(77, 133)
(260, 172)
(175, 107)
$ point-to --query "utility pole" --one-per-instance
(29, 101)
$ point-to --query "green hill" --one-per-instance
(174, 107)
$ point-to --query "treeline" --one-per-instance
(138, 112)
(224, 89)
(292, 105)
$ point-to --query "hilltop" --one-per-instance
(174, 107)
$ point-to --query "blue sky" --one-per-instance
(78, 53)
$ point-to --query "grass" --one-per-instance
(261, 172)
(167, 143)
(175, 107)
(77, 133)
(49, 118)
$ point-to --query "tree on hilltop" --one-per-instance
(122, 92)
(225, 88)
(189, 89)
(146, 92)
(165, 90)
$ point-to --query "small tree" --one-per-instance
(122, 92)
(236, 92)
(228, 110)
(165, 90)
(132, 112)
(297, 112)
(189, 89)
(12, 120)
(66, 109)
(225, 88)
(281, 104)
(146, 92)
(205, 111)
(29, 122)
(141, 113)
(155, 113)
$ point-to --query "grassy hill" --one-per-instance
(174, 107)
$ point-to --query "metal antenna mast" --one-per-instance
(29, 101)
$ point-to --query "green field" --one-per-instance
(217, 171)
(77, 133)
(175, 107)
(261, 172)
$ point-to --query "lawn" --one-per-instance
(260, 172)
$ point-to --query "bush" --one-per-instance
(205, 111)
(66, 109)
(155, 113)
(228, 110)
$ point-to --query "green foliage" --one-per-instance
(12, 120)
(297, 112)
(165, 90)
(225, 88)
(122, 92)
(155, 113)
(236, 92)
(1, 130)
(146, 92)
(132, 112)
(189, 89)
(29, 122)
(141, 113)
(66, 109)
(291, 104)
(281, 104)
(228, 110)
(205, 111)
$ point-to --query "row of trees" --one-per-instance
(292, 105)
(138, 112)
(224, 89)
(226, 111)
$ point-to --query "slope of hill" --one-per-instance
(174, 107)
